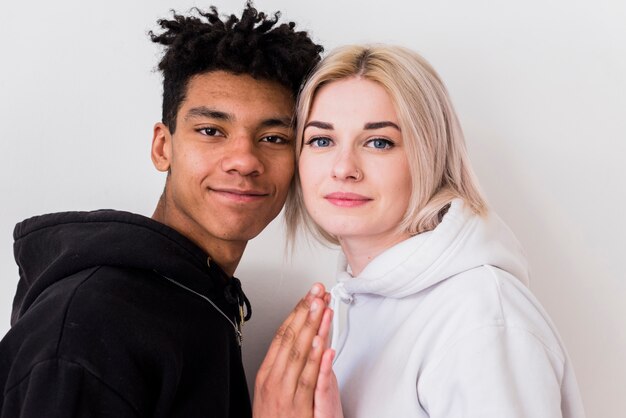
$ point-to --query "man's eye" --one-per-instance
(275, 139)
(210, 132)
(319, 142)
(379, 143)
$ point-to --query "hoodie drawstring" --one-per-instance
(234, 294)
(338, 294)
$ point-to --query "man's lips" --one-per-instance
(349, 200)
(240, 195)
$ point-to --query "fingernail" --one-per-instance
(314, 306)
(315, 290)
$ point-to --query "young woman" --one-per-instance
(432, 314)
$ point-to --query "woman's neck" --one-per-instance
(359, 251)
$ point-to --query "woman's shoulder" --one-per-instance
(489, 297)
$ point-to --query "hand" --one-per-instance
(286, 381)
(327, 403)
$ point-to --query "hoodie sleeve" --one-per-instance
(494, 372)
(59, 388)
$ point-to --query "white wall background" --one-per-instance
(540, 87)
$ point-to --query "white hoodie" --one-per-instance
(442, 325)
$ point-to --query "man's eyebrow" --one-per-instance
(285, 122)
(207, 112)
(318, 124)
(380, 125)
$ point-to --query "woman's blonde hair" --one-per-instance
(438, 161)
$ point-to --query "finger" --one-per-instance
(326, 367)
(270, 385)
(326, 401)
(307, 381)
(284, 337)
(325, 326)
(270, 357)
(294, 350)
(268, 361)
(326, 370)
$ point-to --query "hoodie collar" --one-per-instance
(51, 247)
(462, 241)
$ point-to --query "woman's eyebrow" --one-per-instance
(379, 125)
(318, 124)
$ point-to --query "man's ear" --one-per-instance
(161, 152)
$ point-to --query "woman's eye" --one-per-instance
(210, 132)
(319, 142)
(379, 143)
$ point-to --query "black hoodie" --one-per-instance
(117, 315)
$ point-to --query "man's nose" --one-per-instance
(242, 157)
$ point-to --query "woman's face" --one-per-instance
(353, 167)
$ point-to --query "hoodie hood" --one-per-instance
(462, 241)
(51, 247)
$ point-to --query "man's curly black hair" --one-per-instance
(253, 45)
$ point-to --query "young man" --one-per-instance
(119, 315)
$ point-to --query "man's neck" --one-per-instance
(225, 253)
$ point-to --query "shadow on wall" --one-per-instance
(567, 276)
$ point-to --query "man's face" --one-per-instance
(230, 159)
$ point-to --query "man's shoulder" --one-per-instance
(138, 309)
(92, 298)
(109, 303)
(103, 289)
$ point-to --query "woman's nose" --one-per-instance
(346, 167)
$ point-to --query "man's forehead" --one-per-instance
(222, 84)
(237, 98)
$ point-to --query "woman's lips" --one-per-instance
(348, 200)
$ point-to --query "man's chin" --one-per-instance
(237, 234)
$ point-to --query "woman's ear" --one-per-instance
(161, 151)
